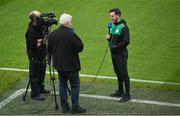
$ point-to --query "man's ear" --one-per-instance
(32, 16)
(68, 24)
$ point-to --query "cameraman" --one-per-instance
(36, 51)
(64, 46)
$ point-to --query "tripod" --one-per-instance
(24, 96)
(52, 77)
(46, 30)
(51, 71)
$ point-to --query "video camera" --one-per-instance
(47, 20)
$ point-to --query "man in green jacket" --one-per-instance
(118, 38)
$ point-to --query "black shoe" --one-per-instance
(44, 91)
(117, 94)
(78, 110)
(38, 98)
(66, 108)
(125, 98)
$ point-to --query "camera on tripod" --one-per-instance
(48, 19)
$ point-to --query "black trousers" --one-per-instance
(119, 61)
(37, 70)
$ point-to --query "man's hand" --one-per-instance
(107, 36)
(39, 42)
(44, 40)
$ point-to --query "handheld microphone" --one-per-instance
(109, 25)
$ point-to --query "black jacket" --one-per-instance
(118, 44)
(63, 47)
(33, 33)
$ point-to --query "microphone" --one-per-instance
(109, 25)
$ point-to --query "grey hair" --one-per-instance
(65, 18)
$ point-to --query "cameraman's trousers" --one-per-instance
(37, 71)
(119, 61)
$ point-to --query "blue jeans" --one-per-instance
(73, 78)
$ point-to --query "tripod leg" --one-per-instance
(69, 91)
(54, 90)
(56, 105)
(52, 77)
(24, 96)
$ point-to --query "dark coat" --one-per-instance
(63, 47)
(33, 33)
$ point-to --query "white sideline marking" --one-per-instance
(106, 77)
(11, 97)
(21, 91)
(133, 100)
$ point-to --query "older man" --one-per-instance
(64, 46)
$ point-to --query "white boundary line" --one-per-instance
(11, 97)
(133, 100)
(21, 91)
(105, 77)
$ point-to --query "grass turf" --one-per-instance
(153, 51)
(8, 80)
(154, 28)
